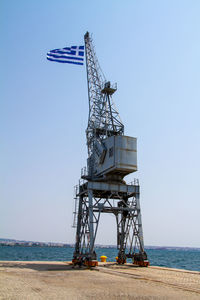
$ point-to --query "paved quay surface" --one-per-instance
(59, 280)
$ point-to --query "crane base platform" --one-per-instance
(144, 263)
(88, 263)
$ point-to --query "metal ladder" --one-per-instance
(76, 202)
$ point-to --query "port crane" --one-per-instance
(102, 188)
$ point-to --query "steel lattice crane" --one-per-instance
(102, 189)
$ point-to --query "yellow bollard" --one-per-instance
(103, 258)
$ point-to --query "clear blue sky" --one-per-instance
(152, 50)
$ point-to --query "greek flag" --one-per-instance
(70, 55)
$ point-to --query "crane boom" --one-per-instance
(103, 119)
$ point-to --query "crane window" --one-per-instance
(111, 152)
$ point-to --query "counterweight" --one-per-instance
(102, 189)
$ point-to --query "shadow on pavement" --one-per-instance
(37, 266)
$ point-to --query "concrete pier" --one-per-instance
(59, 280)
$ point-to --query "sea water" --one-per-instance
(180, 258)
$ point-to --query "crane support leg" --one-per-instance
(84, 253)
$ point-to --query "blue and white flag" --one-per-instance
(70, 55)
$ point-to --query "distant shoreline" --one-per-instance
(12, 243)
(34, 245)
